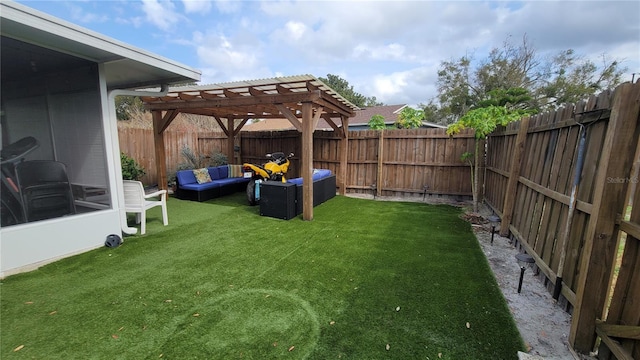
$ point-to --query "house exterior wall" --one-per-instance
(26, 247)
(58, 84)
(75, 125)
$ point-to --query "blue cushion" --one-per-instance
(186, 177)
(214, 173)
(223, 171)
(321, 174)
(199, 187)
(317, 175)
(226, 181)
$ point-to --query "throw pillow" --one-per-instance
(235, 171)
(202, 175)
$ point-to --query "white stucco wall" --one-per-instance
(26, 247)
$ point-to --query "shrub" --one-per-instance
(218, 159)
(131, 170)
(196, 161)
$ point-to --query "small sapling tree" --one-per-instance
(409, 118)
(483, 121)
(377, 122)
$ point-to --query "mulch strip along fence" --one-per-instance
(530, 169)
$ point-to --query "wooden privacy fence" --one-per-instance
(570, 224)
(403, 163)
(138, 144)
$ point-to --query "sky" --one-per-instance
(388, 49)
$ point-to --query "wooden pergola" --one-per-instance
(302, 99)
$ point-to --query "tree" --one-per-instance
(125, 105)
(573, 78)
(513, 99)
(342, 87)
(377, 122)
(484, 121)
(409, 118)
(464, 84)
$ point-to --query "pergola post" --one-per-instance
(158, 142)
(307, 161)
(344, 155)
(230, 139)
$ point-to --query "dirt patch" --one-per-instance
(543, 325)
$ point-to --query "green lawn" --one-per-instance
(222, 282)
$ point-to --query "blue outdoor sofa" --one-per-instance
(324, 188)
(225, 180)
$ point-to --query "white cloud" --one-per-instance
(387, 49)
(78, 14)
(196, 6)
(411, 86)
(228, 6)
(388, 86)
(388, 52)
(295, 29)
(161, 14)
(222, 59)
(136, 21)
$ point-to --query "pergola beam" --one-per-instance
(316, 117)
(219, 102)
(222, 125)
(289, 115)
(164, 121)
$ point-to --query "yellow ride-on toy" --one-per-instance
(274, 170)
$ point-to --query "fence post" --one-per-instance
(344, 155)
(380, 162)
(514, 175)
(600, 246)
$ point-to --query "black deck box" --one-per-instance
(278, 200)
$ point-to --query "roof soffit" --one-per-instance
(125, 66)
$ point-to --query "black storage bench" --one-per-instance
(278, 200)
(285, 200)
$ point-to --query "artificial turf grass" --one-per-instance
(222, 282)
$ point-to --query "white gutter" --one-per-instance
(111, 103)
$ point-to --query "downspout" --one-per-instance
(111, 103)
(573, 199)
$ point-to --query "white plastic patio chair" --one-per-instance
(136, 201)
